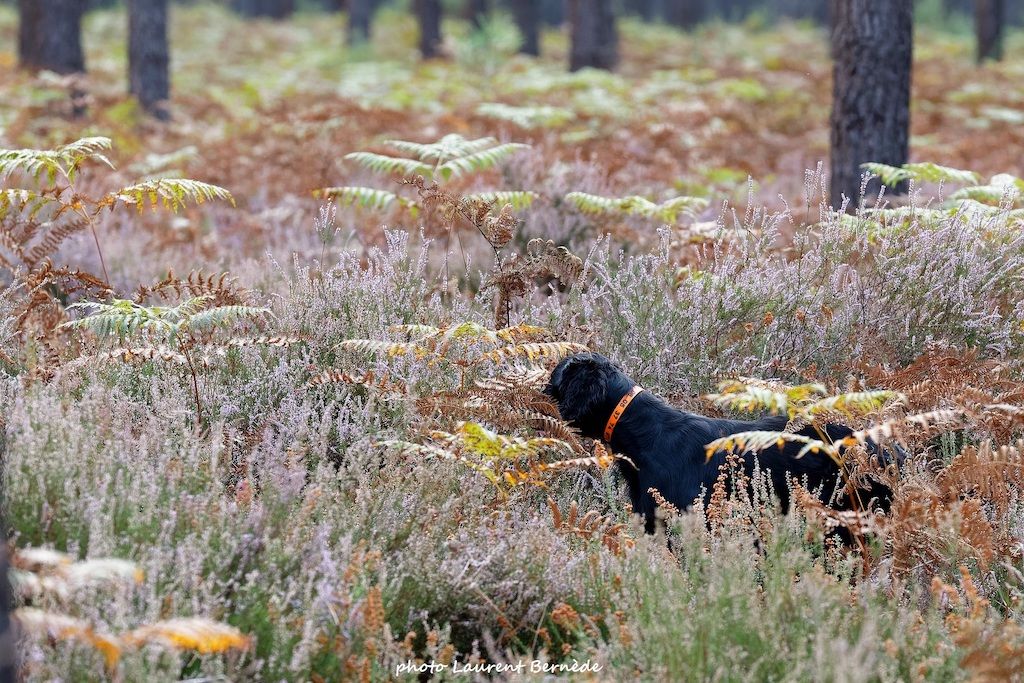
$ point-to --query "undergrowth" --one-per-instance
(337, 460)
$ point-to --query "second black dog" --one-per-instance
(667, 445)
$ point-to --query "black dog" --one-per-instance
(667, 445)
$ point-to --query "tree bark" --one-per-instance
(50, 35)
(989, 20)
(552, 12)
(527, 13)
(360, 17)
(872, 48)
(29, 12)
(428, 13)
(646, 9)
(149, 56)
(685, 13)
(595, 39)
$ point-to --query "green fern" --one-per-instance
(635, 205)
(364, 197)
(451, 146)
(924, 172)
(170, 193)
(449, 157)
(1001, 188)
(385, 165)
(478, 161)
(853, 403)
(519, 199)
(25, 201)
(123, 318)
(62, 161)
(800, 402)
(756, 441)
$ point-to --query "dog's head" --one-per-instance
(586, 387)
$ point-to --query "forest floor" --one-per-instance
(338, 447)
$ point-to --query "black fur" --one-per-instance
(667, 444)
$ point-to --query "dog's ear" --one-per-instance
(580, 386)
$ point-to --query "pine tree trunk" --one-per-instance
(595, 39)
(428, 13)
(989, 20)
(360, 16)
(872, 47)
(552, 11)
(29, 16)
(527, 14)
(686, 13)
(647, 9)
(149, 56)
(50, 35)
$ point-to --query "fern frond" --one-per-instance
(479, 161)
(74, 153)
(203, 636)
(755, 441)
(412, 448)
(279, 341)
(60, 627)
(26, 202)
(376, 346)
(63, 161)
(385, 165)
(888, 175)
(170, 193)
(669, 211)
(53, 239)
(857, 402)
(945, 418)
(365, 197)
(522, 333)
(222, 316)
(601, 462)
(429, 451)
(744, 398)
(995, 195)
(450, 146)
(482, 442)
(469, 330)
(933, 173)
(518, 199)
(536, 351)
(515, 378)
(120, 317)
(923, 172)
(635, 205)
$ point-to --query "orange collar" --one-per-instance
(619, 410)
